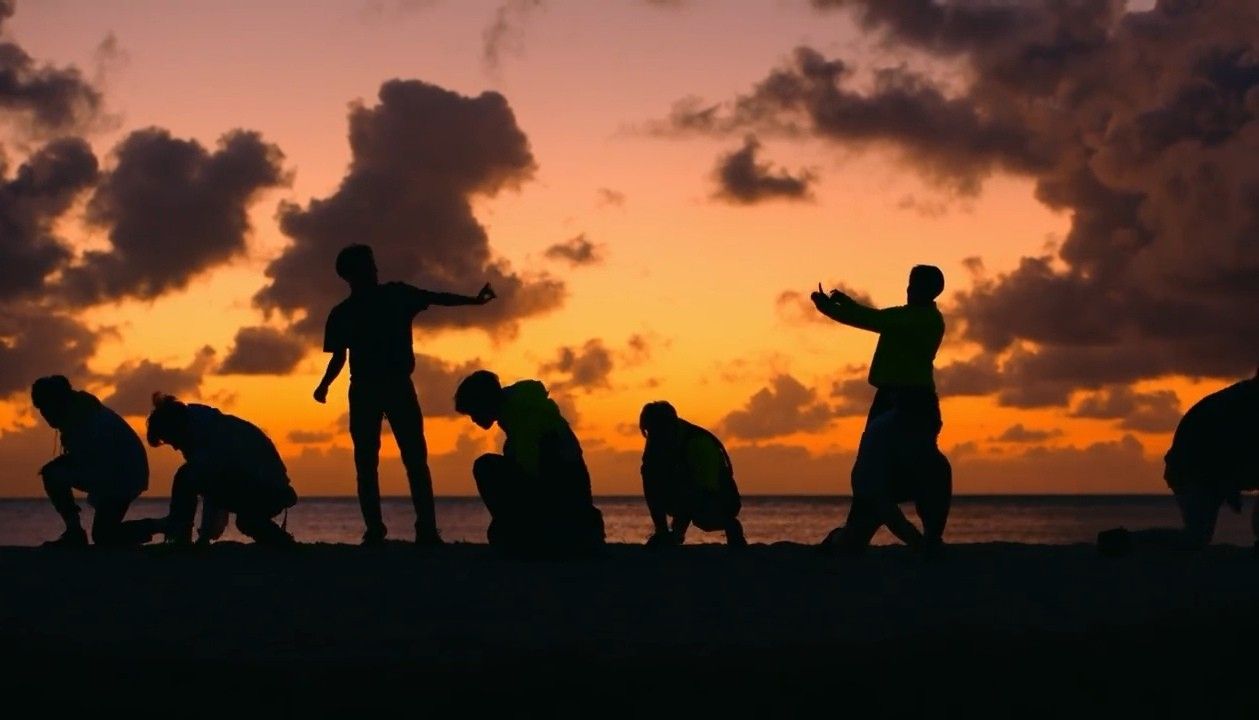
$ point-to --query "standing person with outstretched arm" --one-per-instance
(373, 325)
(898, 458)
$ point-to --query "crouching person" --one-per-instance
(230, 463)
(687, 476)
(538, 490)
(101, 456)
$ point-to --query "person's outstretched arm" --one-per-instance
(335, 363)
(843, 309)
(454, 300)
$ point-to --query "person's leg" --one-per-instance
(185, 493)
(109, 528)
(366, 412)
(407, 422)
(934, 496)
(60, 477)
(1199, 510)
(262, 529)
(497, 486)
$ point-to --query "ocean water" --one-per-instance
(1023, 519)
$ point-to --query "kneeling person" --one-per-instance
(102, 456)
(538, 490)
(687, 475)
(229, 462)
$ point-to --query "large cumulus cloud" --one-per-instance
(419, 158)
(1141, 127)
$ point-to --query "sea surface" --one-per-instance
(1024, 519)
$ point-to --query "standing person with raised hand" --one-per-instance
(898, 458)
(102, 456)
(373, 325)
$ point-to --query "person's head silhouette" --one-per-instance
(926, 282)
(357, 266)
(51, 396)
(657, 419)
(480, 397)
(168, 422)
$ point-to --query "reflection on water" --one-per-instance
(1042, 519)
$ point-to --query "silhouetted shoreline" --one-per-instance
(328, 629)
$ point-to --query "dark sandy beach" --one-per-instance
(334, 630)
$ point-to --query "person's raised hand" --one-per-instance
(321, 394)
(819, 296)
(486, 294)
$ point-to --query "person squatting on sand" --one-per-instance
(898, 458)
(230, 463)
(374, 325)
(687, 475)
(1213, 458)
(538, 490)
(102, 456)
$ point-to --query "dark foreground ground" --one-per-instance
(341, 631)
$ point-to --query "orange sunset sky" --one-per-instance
(659, 186)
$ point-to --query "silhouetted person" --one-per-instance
(374, 326)
(538, 490)
(102, 456)
(687, 476)
(230, 463)
(1214, 457)
(898, 459)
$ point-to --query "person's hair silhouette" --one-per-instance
(687, 476)
(538, 490)
(373, 326)
(229, 462)
(102, 456)
(898, 458)
(1214, 457)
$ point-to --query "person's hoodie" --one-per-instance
(539, 439)
(222, 442)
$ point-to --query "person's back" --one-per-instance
(542, 442)
(235, 445)
(909, 338)
(374, 324)
(1217, 441)
(109, 445)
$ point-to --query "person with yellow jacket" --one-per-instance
(537, 490)
(687, 475)
(898, 459)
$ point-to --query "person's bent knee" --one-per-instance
(488, 466)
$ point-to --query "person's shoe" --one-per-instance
(1116, 542)
(374, 536)
(71, 538)
(428, 538)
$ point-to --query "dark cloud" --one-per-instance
(310, 437)
(1018, 433)
(34, 343)
(436, 380)
(976, 376)
(1140, 127)
(506, 32)
(135, 382)
(608, 196)
(783, 408)
(31, 202)
(743, 180)
(46, 101)
(419, 157)
(588, 367)
(263, 351)
(173, 210)
(1157, 411)
(576, 251)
